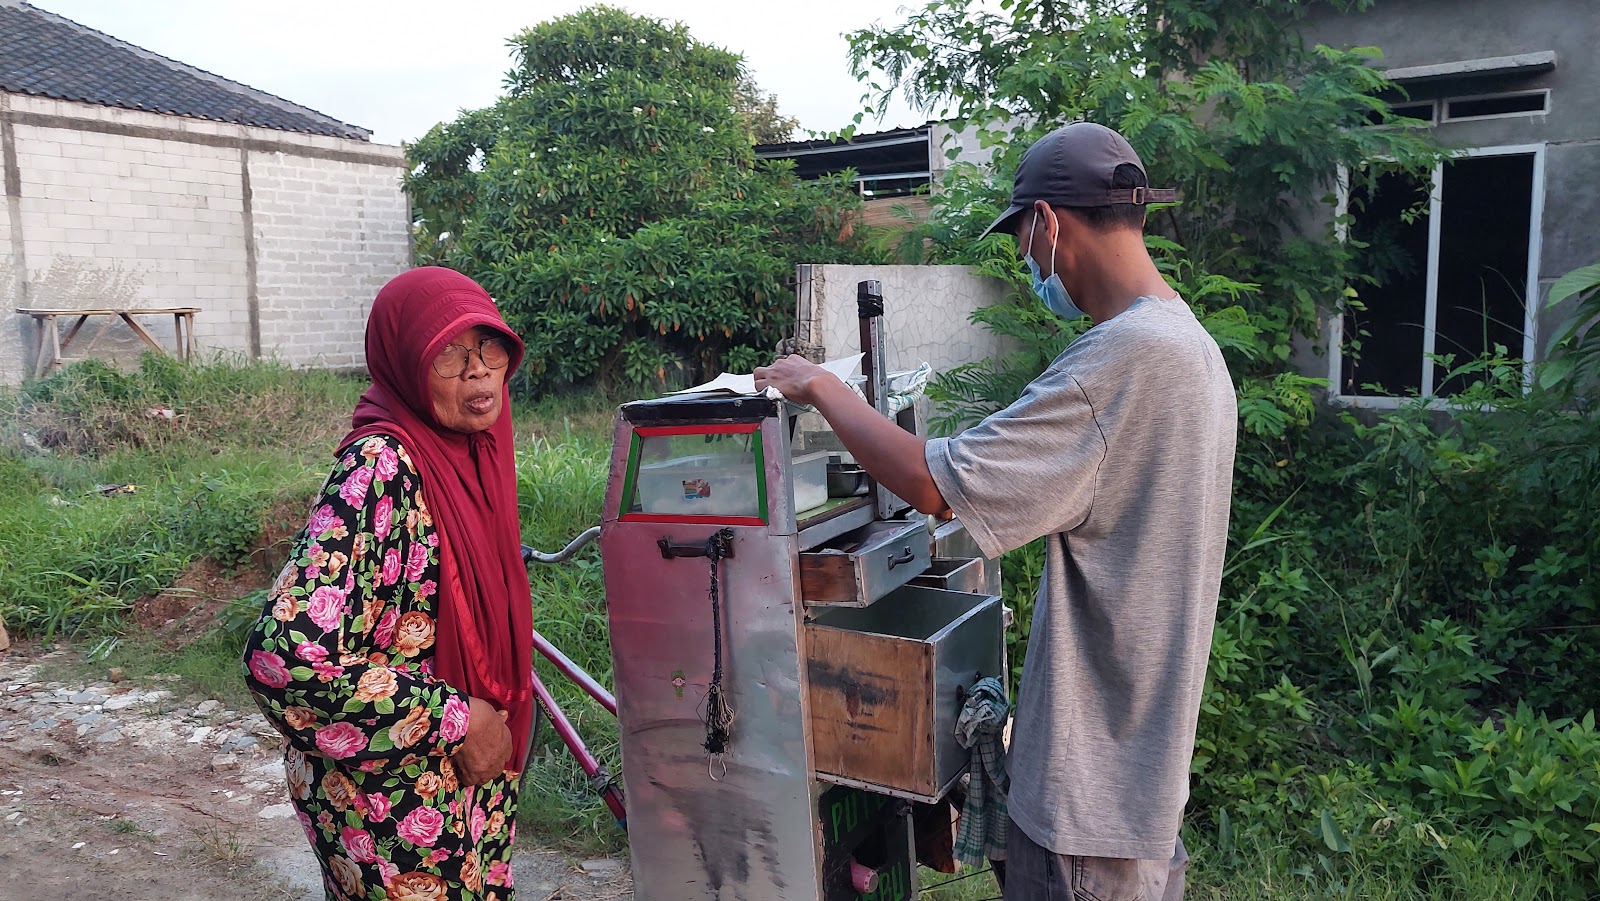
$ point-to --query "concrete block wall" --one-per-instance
(927, 312)
(15, 331)
(280, 239)
(167, 213)
(329, 234)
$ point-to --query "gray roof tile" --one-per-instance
(47, 55)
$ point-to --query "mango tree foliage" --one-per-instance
(612, 203)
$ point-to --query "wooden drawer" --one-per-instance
(887, 682)
(859, 567)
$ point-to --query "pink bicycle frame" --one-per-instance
(599, 777)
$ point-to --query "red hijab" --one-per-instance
(483, 642)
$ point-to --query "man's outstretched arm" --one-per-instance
(891, 455)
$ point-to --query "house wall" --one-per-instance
(943, 138)
(926, 308)
(1426, 32)
(329, 234)
(280, 239)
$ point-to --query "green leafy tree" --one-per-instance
(1222, 100)
(1219, 97)
(611, 201)
(760, 113)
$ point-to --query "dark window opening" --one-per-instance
(1383, 347)
(878, 188)
(1483, 260)
(1477, 107)
(1423, 111)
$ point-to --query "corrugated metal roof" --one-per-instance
(789, 149)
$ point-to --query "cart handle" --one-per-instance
(529, 555)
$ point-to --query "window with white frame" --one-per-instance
(1454, 261)
(1496, 106)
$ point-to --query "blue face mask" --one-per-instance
(1050, 290)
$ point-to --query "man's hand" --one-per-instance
(890, 454)
(483, 753)
(795, 377)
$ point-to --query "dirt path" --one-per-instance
(115, 792)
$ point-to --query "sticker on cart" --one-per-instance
(694, 489)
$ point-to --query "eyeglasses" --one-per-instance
(453, 360)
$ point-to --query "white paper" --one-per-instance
(732, 383)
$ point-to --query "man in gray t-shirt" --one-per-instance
(1121, 456)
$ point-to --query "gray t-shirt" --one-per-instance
(1122, 453)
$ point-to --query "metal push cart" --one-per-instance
(787, 681)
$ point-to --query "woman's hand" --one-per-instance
(483, 752)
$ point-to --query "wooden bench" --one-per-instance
(52, 344)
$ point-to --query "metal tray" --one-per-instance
(956, 574)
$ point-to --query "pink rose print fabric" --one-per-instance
(341, 663)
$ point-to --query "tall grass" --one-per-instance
(220, 457)
(560, 484)
(112, 482)
(91, 409)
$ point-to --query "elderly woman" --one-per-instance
(394, 651)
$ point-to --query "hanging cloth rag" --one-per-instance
(984, 818)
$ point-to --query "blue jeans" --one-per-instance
(1034, 873)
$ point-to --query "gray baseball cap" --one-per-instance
(1072, 167)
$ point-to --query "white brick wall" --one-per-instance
(156, 209)
(329, 234)
(120, 220)
(16, 331)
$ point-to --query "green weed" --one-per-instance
(968, 885)
(1270, 870)
(131, 829)
(561, 484)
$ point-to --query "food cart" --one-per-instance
(789, 660)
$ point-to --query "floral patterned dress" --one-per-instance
(341, 663)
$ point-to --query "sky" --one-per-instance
(399, 67)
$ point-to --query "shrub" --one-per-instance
(613, 204)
